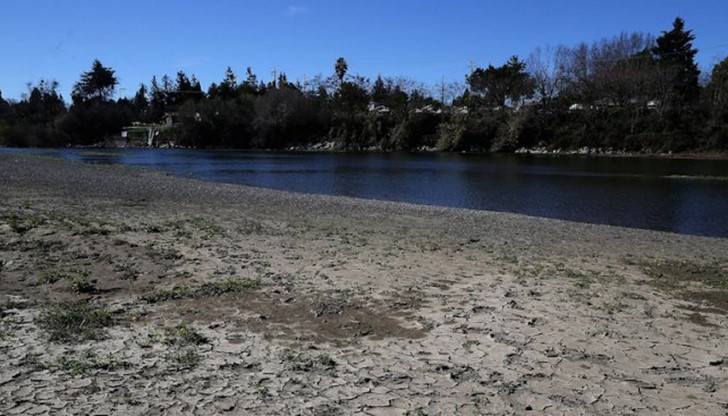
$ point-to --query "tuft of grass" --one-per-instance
(52, 276)
(182, 335)
(127, 270)
(176, 292)
(205, 290)
(226, 286)
(78, 280)
(164, 253)
(90, 361)
(328, 306)
(184, 359)
(302, 362)
(23, 223)
(74, 321)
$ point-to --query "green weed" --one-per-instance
(74, 321)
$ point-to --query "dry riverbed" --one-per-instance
(131, 292)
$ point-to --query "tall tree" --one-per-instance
(718, 87)
(140, 103)
(340, 68)
(44, 103)
(546, 67)
(674, 52)
(98, 83)
(507, 83)
(250, 85)
(227, 89)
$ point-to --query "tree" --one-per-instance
(98, 83)
(718, 88)
(546, 68)
(340, 68)
(675, 53)
(506, 83)
(717, 100)
(44, 103)
(250, 85)
(227, 89)
(185, 89)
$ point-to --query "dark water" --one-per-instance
(683, 196)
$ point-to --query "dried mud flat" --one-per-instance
(130, 292)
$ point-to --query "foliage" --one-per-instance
(74, 322)
(340, 68)
(98, 83)
(500, 85)
(674, 51)
(632, 92)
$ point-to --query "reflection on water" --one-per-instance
(685, 196)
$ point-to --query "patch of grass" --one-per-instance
(78, 280)
(674, 274)
(359, 328)
(698, 318)
(182, 335)
(127, 270)
(205, 290)
(164, 253)
(90, 361)
(580, 279)
(227, 286)
(326, 306)
(176, 292)
(184, 359)
(716, 300)
(52, 276)
(302, 362)
(23, 222)
(74, 321)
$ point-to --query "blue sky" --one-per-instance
(424, 40)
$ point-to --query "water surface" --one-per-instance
(683, 196)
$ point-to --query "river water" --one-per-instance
(677, 195)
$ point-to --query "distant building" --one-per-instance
(378, 108)
(428, 109)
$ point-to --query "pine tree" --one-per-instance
(98, 83)
(675, 54)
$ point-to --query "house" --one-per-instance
(168, 119)
(378, 108)
(460, 109)
(428, 109)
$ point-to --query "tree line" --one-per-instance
(633, 92)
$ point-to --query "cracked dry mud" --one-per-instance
(230, 300)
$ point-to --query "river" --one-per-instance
(678, 195)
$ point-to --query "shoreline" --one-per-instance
(328, 147)
(230, 299)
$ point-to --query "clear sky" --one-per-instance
(422, 39)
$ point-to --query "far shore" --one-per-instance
(127, 291)
(329, 147)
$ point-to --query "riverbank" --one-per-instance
(133, 292)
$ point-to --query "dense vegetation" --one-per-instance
(633, 92)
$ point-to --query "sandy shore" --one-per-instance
(130, 292)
